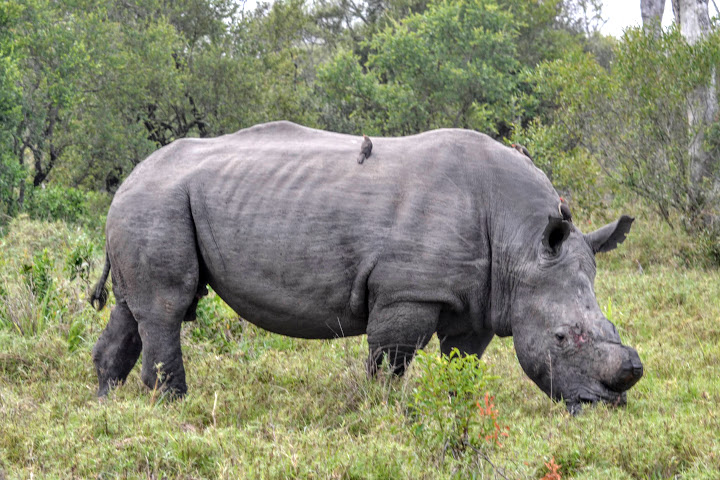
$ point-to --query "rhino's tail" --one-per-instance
(99, 293)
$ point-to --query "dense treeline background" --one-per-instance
(88, 88)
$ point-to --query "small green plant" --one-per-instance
(38, 274)
(445, 405)
(79, 260)
(34, 303)
(75, 334)
(216, 323)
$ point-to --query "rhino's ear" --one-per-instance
(555, 234)
(610, 236)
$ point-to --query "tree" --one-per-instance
(652, 13)
(454, 65)
(11, 173)
(105, 83)
(633, 118)
(702, 110)
(52, 59)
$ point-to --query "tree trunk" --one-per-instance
(652, 13)
(676, 10)
(694, 21)
(20, 150)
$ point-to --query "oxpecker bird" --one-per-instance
(365, 149)
(522, 150)
(564, 210)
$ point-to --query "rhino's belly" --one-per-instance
(299, 295)
(286, 312)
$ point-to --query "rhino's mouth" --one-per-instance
(591, 395)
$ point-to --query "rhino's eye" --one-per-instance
(560, 337)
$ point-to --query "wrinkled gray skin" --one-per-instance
(445, 232)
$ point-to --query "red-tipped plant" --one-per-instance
(490, 412)
(553, 470)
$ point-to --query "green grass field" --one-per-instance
(266, 406)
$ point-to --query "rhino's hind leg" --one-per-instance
(169, 297)
(117, 349)
(162, 365)
(397, 331)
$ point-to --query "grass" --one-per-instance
(266, 406)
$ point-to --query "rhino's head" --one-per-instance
(562, 339)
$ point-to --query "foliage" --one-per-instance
(217, 324)
(633, 119)
(90, 88)
(452, 66)
(11, 176)
(96, 85)
(56, 202)
(573, 173)
(55, 57)
(448, 414)
(79, 260)
(28, 307)
(38, 274)
(11, 172)
(103, 83)
(546, 30)
(36, 290)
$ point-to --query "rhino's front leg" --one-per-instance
(398, 330)
(468, 344)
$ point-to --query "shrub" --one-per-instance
(446, 403)
(28, 307)
(79, 260)
(38, 274)
(570, 169)
(40, 264)
(56, 203)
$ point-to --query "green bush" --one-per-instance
(79, 260)
(45, 269)
(56, 203)
(27, 307)
(451, 406)
(453, 65)
(38, 274)
(68, 204)
(574, 174)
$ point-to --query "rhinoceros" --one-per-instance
(448, 232)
